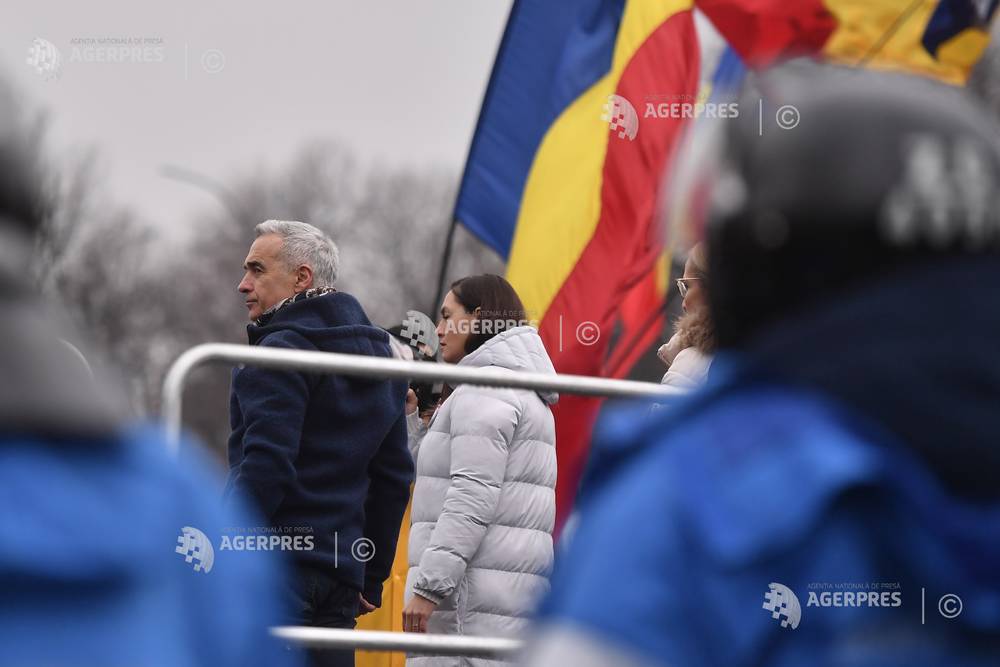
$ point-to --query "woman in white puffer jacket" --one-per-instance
(480, 550)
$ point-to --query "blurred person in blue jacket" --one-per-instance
(106, 554)
(832, 496)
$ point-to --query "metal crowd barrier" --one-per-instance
(363, 366)
(409, 642)
(374, 367)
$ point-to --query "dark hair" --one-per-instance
(497, 302)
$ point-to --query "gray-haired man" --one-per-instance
(323, 457)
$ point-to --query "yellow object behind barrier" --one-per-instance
(390, 615)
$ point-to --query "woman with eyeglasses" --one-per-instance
(688, 353)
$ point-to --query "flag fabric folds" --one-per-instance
(940, 39)
(562, 179)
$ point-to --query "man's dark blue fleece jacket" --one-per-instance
(324, 455)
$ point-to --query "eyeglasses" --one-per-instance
(682, 286)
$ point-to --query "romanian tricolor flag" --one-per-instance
(584, 107)
(562, 178)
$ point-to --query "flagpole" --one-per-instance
(449, 243)
(443, 272)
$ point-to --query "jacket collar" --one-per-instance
(266, 317)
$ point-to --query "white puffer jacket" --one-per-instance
(689, 369)
(484, 501)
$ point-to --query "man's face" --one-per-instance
(267, 280)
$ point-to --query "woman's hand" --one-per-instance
(416, 614)
(669, 350)
(411, 401)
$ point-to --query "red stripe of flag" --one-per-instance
(626, 242)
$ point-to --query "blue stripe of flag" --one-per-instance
(551, 52)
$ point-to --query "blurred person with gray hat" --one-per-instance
(96, 513)
(831, 496)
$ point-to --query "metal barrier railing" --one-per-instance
(358, 365)
(409, 642)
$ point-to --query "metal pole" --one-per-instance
(445, 260)
(364, 366)
(374, 640)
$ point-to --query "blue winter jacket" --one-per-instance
(89, 565)
(109, 546)
(851, 450)
(324, 456)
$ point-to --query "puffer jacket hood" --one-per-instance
(517, 349)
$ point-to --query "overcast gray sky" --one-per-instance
(219, 87)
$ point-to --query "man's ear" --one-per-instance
(303, 277)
